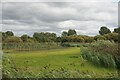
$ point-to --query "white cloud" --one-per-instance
(60, 0)
(85, 17)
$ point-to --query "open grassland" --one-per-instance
(54, 63)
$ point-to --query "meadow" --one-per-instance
(52, 63)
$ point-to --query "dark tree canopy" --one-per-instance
(69, 36)
(99, 37)
(64, 34)
(45, 37)
(9, 33)
(13, 39)
(117, 30)
(24, 37)
(71, 32)
(104, 30)
(112, 37)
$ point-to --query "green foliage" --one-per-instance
(112, 37)
(88, 39)
(27, 39)
(6, 34)
(24, 38)
(59, 39)
(101, 59)
(73, 38)
(9, 33)
(54, 63)
(45, 37)
(0, 37)
(99, 37)
(106, 50)
(13, 39)
(70, 36)
(31, 41)
(117, 30)
(64, 34)
(105, 46)
(29, 46)
(72, 32)
(65, 45)
(104, 30)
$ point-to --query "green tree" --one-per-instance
(24, 38)
(9, 33)
(64, 34)
(59, 39)
(104, 30)
(87, 39)
(112, 37)
(45, 37)
(37, 36)
(13, 39)
(99, 37)
(72, 32)
(117, 30)
(1, 37)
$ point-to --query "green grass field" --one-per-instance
(55, 63)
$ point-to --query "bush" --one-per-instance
(105, 46)
(99, 37)
(112, 37)
(102, 52)
(101, 59)
(29, 46)
(13, 39)
(65, 44)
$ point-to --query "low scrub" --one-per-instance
(29, 46)
(100, 59)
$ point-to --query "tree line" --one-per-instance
(66, 36)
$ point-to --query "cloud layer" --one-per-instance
(85, 17)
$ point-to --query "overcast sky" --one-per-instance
(85, 17)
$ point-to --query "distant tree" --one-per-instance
(1, 37)
(9, 33)
(13, 39)
(64, 39)
(64, 34)
(30, 41)
(72, 32)
(37, 36)
(73, 38)
(99, 37)
(33, 40)
(52, 37)
(59, 39)
(104, 30)
(112, 37)
(88, 39)
(24, 38)
(6, 34)
(76, 39)
(45, 37)
(117, 30)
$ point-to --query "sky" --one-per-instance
(86, 17)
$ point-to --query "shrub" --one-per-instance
(65, 44)
(29, 46)
(13, 39)
(112, 37)
(102, 59)
(99, 37)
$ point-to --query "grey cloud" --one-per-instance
(84, 17)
